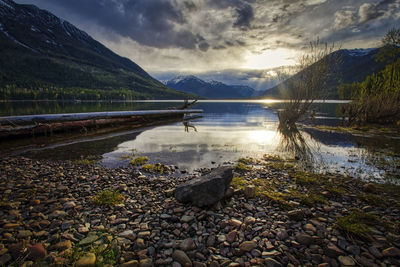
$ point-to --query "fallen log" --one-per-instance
(48, 124)
(44, 118)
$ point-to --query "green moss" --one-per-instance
(272, 158)
(352, 227)
(305, 178)
(106, 254)
(312, 198)
(139, 160)
(89, 160)
(335, 190)
(278, 198)
(309, 199)
(357, 224)
(124, 157)
(246, 161)
(105, 249)
(239, 182)
(240, 167)
(371, 199)
(108, 197)
(153, 168)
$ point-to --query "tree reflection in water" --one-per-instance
(188, 125)
(293, 142)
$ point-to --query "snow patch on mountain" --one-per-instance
(5, 4)
(180, 79)
(359, 52)
(34, 29)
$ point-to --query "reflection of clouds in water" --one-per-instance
(169, 144)
(214, 138)
(229, 131)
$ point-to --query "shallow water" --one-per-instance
(227, 131)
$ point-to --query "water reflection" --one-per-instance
(228, 131)
(293, 142)
(188, 125)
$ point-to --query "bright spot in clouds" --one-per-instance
(270, 59)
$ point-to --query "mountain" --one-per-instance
(353, 65)
(210, 89)
(39, 51)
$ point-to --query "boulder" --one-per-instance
(206, 190)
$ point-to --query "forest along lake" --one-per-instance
(227, 130)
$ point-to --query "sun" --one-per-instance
(270, 59)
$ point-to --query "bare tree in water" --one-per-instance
(315, 67)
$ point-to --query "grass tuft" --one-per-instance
(139, 160)
(108, 197)
(241, 167)
(246, 161)
(89, 160)
(305, 178)
(158, 168)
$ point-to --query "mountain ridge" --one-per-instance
(353, 65)
(39, 50)
(209, 89)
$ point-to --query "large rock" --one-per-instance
(206, 190)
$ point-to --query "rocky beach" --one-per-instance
(62, 213)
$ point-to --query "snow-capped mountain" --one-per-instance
(209, 89)
(38, 49)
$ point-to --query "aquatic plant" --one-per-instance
(89, 160)
(139, 160)
(153, 168)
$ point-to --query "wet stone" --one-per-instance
(391, 252)
(346, 261)
(88, 260)
(182, 258)
(248, 246)
(36, 252)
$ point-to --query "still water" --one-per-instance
(226, 131)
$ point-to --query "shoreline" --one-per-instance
(295, 218)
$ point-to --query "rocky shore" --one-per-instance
(59, 214)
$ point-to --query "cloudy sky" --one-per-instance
(167, 37)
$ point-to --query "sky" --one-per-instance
(243, 37)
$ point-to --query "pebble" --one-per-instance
(250, 191)
(346, 261)
(182, 258)
(187, 244)
(305, 239)
(151, 228)
(63, 245)
(231, 236)
(132, 263)
(391, 252)
(36, 252)
(248, 246)
(87, 260)
(186, 218)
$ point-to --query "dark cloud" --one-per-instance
(211, 33)
(245, 15)
(204, 46)
(190, 6)
(149, 22)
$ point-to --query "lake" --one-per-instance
(227, 130)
